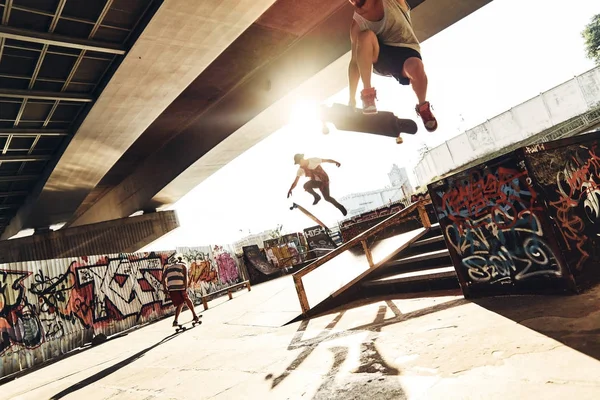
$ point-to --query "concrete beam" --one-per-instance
(126, 235)
(267, 84)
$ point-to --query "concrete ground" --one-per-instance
(436, 347)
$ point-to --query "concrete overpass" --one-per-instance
(110, 107)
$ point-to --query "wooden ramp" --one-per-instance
(344, 267)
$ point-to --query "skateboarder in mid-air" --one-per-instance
(383, 40)
(318, 179)
(175, 282)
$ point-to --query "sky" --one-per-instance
(498, 57)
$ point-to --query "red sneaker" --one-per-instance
(368, 97)
(424, 111)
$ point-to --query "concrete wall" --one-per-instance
(568, 100)
(526, 221)
(567, 175)
(498, 235)
(126, 235)
(358, 203)
(51, 307)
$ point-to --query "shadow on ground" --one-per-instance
(374, 377)
(107, 371)
(571, 320)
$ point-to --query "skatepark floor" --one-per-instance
(439, 346)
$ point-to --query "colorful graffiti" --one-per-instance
(211, 268)
(490, 217)
(286, 251)
(42, 302)
(569, 178)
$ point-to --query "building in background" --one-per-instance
(400, 190)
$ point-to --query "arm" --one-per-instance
(353, 72)
(293, 186)
(163, 281)
(327, 160)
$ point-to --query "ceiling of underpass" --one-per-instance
(105, 103)
(55, 58)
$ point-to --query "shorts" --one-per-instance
(178, 297)
(391, 61)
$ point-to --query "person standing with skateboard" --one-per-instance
(383, 40)
(318, 179)
(175, 282)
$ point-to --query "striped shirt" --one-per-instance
(175, 277)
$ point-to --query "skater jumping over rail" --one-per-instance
(318, 179)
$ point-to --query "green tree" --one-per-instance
(591, 34)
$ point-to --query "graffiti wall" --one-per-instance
(259, 269)
(287, 251)
(495, 227)
(210, 268)
(48, 308)
(567, 174)
(319, 241)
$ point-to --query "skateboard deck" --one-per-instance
(181, 327)
(384, 123)
(309, 215)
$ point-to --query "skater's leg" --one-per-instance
(190, 305)
(310, 188)
(177, 311)
(327, 196)
(367, 51)
(414, 70)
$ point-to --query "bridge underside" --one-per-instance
(198, 75)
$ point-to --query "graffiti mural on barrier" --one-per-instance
(211, 268)
(491, 223)
(569, 178)
(45, 301)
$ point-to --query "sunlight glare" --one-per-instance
(304, 115)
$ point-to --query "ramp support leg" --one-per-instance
(424, 217)
(301, 294)
(367, 253)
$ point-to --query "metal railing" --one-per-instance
(362, 238)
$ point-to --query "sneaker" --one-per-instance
(175, 323)
(317, 199)
(399, 140)
(368, 97)
(424, 111)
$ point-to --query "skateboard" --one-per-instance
(309, 215)
(181, 327)
(384, 123)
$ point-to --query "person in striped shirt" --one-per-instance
(175, 282)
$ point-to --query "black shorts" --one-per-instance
(391, 61)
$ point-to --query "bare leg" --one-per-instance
(367, 51)
(190, 305)
(177, 311)
(415, 71)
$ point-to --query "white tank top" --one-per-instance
(394, 29)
